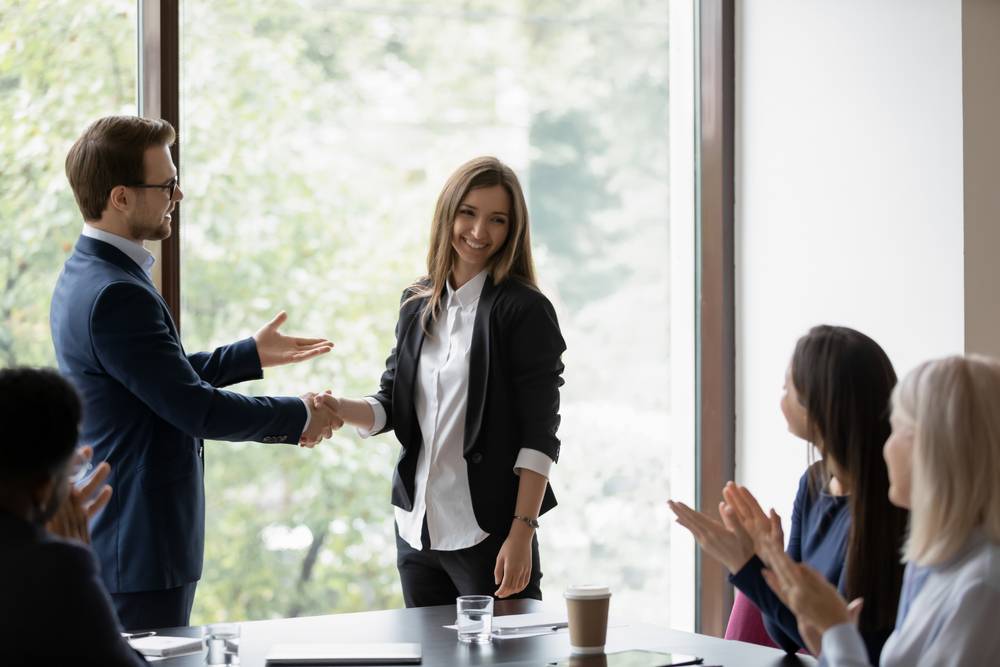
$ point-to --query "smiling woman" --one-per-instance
(341, 125)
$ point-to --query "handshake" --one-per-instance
(324, 418)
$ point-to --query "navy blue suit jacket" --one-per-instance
(147, 406)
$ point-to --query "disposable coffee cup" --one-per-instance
(587, 609)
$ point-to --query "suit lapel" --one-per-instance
(107, 252)
(479, 364)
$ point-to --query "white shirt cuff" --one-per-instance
(534, 460)
(308, 416)
(843, 647)
(379, 423)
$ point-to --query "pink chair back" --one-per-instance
(746, 624)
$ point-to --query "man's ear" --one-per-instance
(120, 198)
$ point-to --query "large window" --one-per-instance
(62, 65)
(316, 138)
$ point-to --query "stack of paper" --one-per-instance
(159, 646)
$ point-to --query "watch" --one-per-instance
(528, 520)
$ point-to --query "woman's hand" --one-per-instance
(815, 602)
(726, 541)
(513, 568)
(764, 529)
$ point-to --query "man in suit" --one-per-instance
(147, 403)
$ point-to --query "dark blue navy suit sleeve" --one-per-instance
(135, 344)
(229, 364)
(779, 621)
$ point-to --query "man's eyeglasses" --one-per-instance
(170, 187)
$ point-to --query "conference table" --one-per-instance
(441, 648)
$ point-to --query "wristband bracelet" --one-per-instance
(528, 520)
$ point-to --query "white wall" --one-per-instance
(849, 197)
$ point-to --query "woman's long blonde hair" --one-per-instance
(953, 405)
(512, 260)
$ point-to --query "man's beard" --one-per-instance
(141, 228)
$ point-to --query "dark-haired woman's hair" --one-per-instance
(41, 413)
(845, 381)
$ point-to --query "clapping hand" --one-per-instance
(81, 504)
(324, 418)
(815, 602)
(275, 349)
(726, 541)
(764, 529)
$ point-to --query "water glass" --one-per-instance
(475, 618)
(223, 643)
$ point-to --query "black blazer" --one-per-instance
(515, 371)
(53, 607)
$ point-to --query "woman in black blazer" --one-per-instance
(471, 390)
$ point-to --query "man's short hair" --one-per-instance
(40, 412)
(109, 154)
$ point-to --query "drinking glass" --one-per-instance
(475, 618)
(223, 643)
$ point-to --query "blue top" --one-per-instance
(820, 527)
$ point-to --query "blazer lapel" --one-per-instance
(479, 364)
(107, 252)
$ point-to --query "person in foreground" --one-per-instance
(837, 390)
(54, 606)
(944, 463)
(147, 403)
(471, 391)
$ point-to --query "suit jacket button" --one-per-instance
(476, 458)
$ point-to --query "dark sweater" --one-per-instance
(53, 606)
(820, 527)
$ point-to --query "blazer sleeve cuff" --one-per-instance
(380, 418)
(534, 460)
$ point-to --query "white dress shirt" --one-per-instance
(135, 250)
(952, 620)
(441, 489)
(137, 253)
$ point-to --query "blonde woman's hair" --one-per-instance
(512, 260)
(953, 405)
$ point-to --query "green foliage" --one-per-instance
(315, 138)
(62, 63)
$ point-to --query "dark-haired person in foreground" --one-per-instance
(148, 404)
(53, 605)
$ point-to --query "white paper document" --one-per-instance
(160, 646)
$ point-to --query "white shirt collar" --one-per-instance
(134, 250)
(469, 293)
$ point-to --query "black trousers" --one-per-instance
(146, 610)
(430, 577)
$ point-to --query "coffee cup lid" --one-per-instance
(586, 592)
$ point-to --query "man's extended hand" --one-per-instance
(80, 505)
(323, 418)
(275, 349)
